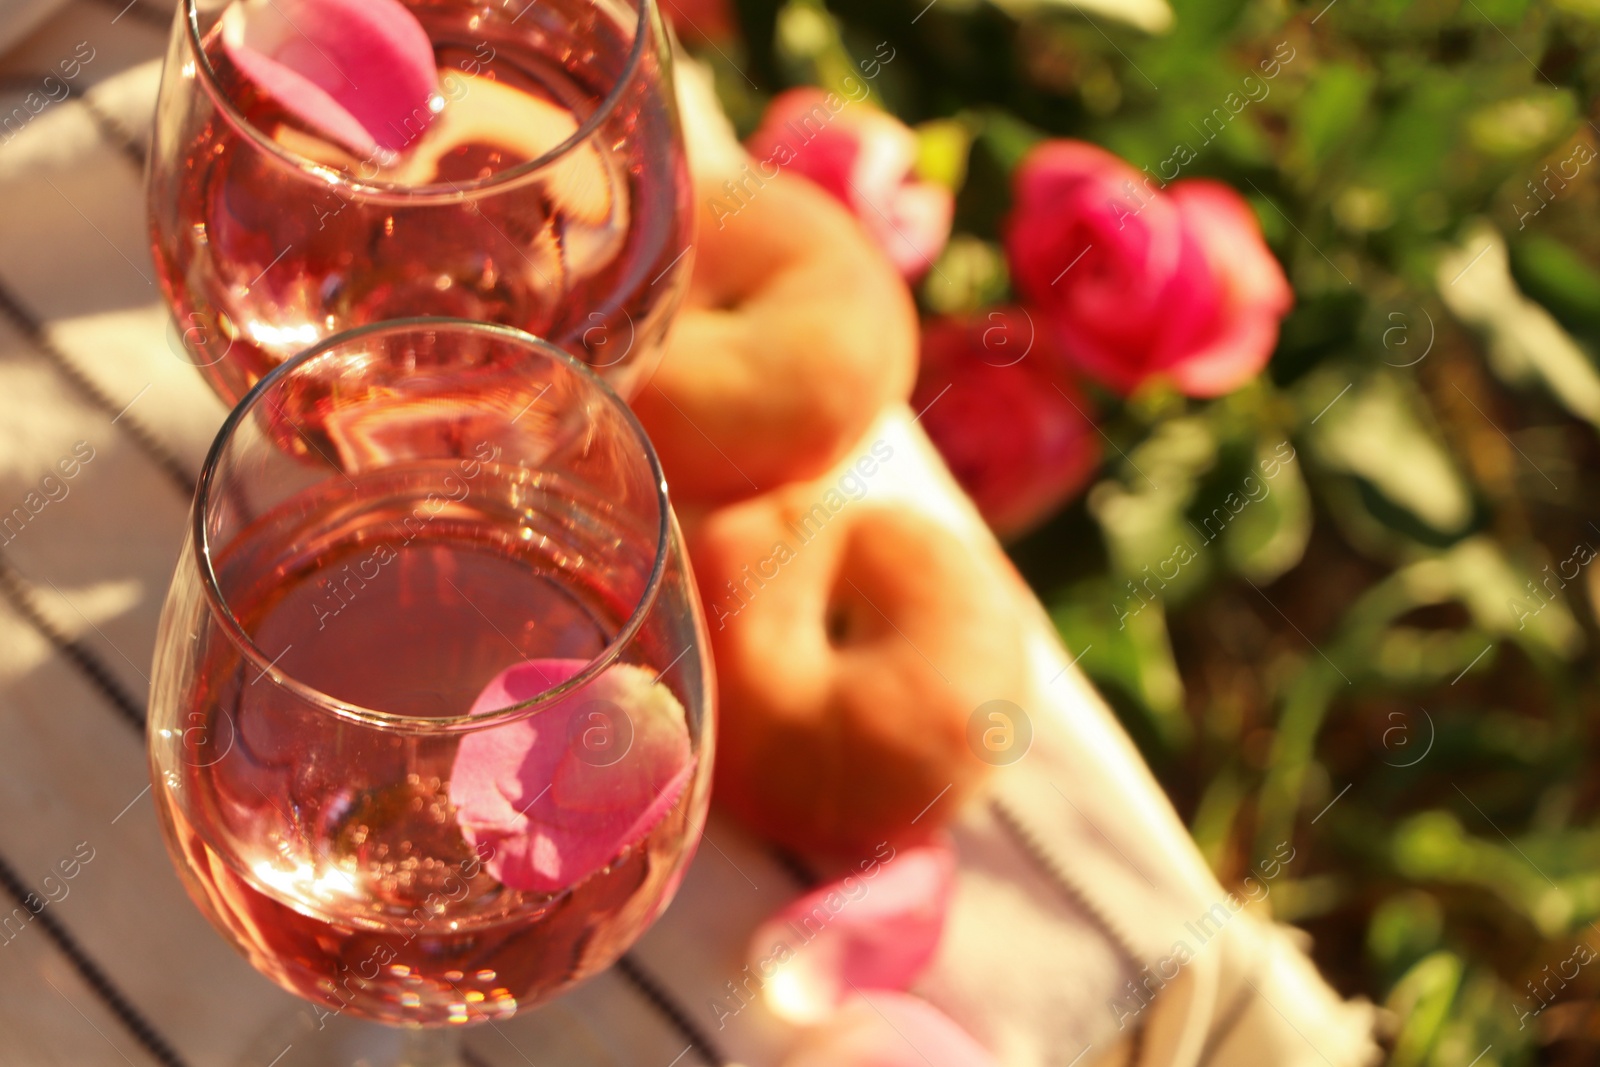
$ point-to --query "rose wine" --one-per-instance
(261, 258)
(329, 851)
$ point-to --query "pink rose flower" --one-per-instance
(865, 157)
(362, 72)
(1012, 426)
(1140, 282)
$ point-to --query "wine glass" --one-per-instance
(550, 192)
(431, 712)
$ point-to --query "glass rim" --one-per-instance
(442, 191)
(218, 604)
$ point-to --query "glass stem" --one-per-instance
(431, 1047)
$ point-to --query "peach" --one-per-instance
(795, 334)
(853, 643)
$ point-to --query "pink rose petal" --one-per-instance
(360, 71)
(559, 794)
(1258, 294)
(890, 1030)
(875, 929)
(918, 226)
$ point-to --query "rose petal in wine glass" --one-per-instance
(876, 928)
(585, 186)
(559, 794)
(360, 71)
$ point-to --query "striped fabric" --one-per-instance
(1076, 876)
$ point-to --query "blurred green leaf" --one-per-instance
(1482, 1018)
(1133, 654)
(971, 277)
(810, 48)
(1269, 532)
(1588, 9)
(1154, 550)
(1422, 1001)
(1497, 595)
(1007, 138)
(1395, 12)
(1364, 425)
(1404, 928)
(1502, 12)
(942, 149)
(1201, 21)
(1414, 657)
(1214, 816)
(1417, 137)
(1560, 279)
(1432, 846)
(1301, 900)
(1523, 124)
(1151, 16)
(1316, 328)
(1333, 106)
(1525, 342)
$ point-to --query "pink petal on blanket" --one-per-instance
(890, 1030)
(560, 793)
(361, 72)
(875, 929)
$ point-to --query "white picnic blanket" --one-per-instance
(1076, 877)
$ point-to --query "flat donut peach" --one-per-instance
(796, 333)
(851, 653)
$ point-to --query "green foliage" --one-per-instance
(1393, 633)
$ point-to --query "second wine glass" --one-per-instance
(431, 714)
(548, 191)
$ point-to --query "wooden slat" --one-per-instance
(156, 13)
(733, 885)
(99, 559)
(49, 1017)
(601, 1023)
(34, 912)
(70, 192)
(70, 774)
(118, 43)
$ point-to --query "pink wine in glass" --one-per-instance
(431, 712)
(347, 877)
(269, 237)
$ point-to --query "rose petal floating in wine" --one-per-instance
(875, 929)
(560, 793)
(890, 1030)
(360, 71)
